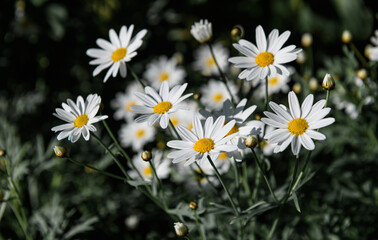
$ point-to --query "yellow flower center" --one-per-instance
(190, 126)
(217, 97)
(264, 59)
(210, 62)
(272, 81)
(233, 130)
(174, 121)
(298, 126)
(223, 156)
(119, 54)
(81, 120)
(163, 76)
(140, 133)
(128, 105)
(147, 171)
(162, 107)
(204, 145)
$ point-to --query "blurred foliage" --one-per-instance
(43, 62)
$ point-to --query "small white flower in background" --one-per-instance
(241, 129)
(117, 52)
(202, 31)
(80, 117)
(185, 117)
(164, 69)
(214, 93)
(204, 140)
(267, 58)
(132, 222)
(205, 63)
(158, 107)
(373, 51)
(136, 135)
(275, 85)
(297, 124)
(180, 229)
(124, 100)
(160, 163)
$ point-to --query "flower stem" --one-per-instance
(358, 54)
(198, 225)
(224, 187)
(135, 76)
(245, 183)
(159, 183)
(114, 157)
(223, 76)
(174, 129)
(264, 176)
(96, 169)
(327, 98)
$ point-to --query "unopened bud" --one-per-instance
(2, 152)
(346, 37)
(297, 88)
(313, 84)
(237, 33)
(60, 151)
(180, 229)
(251, 141)
(306, 40)
(197, 96)
(146, 156)
(367, 51)
(301, 58)
(328, 82)
(362, 73)
(258, 117)
(193, 205)
(178, 57)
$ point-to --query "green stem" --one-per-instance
(223, 76)
(245, 183)
(206, 176)
(20, 222)
(174, 129)
(135, 76)
(96, 169)
(159, 183)
(198, 225)
(327, 98)
(358, 54)
(224, 187)
(114, 157)
(264, 176)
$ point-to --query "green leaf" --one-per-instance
(296, 202)
(137, 183)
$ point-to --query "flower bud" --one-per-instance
(146, 156)
(362, 73)
(60, 151)
(2, 152)
(313, 84)
(180, 229)
(301, 58)
(193, 205)
(346, 37)
(197, 96)
(202, 31)
(237, 33)
(251, 141)
(367, 51)
(306, 40)
(297, 88)
(328, 82)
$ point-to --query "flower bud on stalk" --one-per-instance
(297, 88)
(251, 141)
(328, 82)
(146, 156)
(180, 229)
(306, 40)
(2, 152)
(193, 205)
(346, 37)
(60, 151)
(313, 84)
(362, 73)
(237, 33)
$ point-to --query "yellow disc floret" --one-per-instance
(81, 120)
(264, 59)
(140, 133)
(162, 107)
(204, 145)
(233, 130)
(119, 54)
(217, 97)
(272, 81)
(147, 171)
(298, 126)
(163, 76)
(210, 62)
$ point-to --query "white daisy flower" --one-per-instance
(136, 135)
(202, 31)
(160, 163)
(298, 124)
(185, 117)
(215, 93)
(275, 85)
(117, 52)
(241, 129)
(205, 63)
(124, 100)
(373, 51)
(158, 107)
(164, 69)
(80, 117)
(204, 140)
(267, 58)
